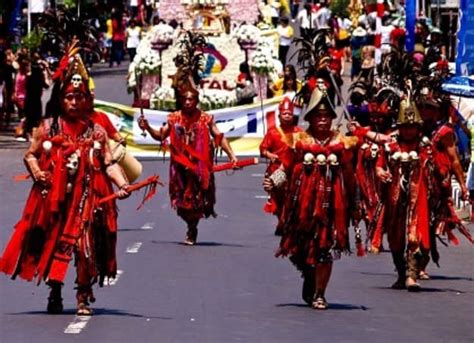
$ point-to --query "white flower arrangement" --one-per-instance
(161, 34)
(212, 99)
(204, 2)
(262, 61)
(247, 35)
(147, 61)
(163, 98)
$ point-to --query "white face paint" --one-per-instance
(76, 80)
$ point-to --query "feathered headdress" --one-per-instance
(71, 73)
(189, 63)
(313, 58)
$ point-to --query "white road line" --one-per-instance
(77, 325)
(258, 175)
(133, 248)
(262, 197)
(111, 282)
(148, 226)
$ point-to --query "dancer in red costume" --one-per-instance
(278, 146)
(380, 118)
(435, 114)
(406, 168)
(70, 164)
(193, 137)
(316, 213)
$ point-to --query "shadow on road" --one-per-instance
(204, 244)
(433, 277)
(423, 289)
(97, 312)
(332, 306)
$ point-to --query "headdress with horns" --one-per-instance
(409, 113)
(319, 101)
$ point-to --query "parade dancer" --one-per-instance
(319, 197)
(70, 164)
(437, 128)
(380, 121)
(193, 137)
(278, 146)
(407, 169)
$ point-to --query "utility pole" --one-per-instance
(29, 17)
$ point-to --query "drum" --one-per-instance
(130, 165)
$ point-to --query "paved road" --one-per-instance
(229, 287)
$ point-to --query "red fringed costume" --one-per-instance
(281, 142)
(405, 211)
(446, 220)
(60, 219)
(315, 216)
(369, 190)
(192, 187)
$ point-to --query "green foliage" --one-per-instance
(32, 41)
(340, 8)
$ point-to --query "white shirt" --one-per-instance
(133, 37)
(286, 35)
(322, 17)
(304, 19)
(37, 6)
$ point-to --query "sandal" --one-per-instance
(191, 237)
(412, 285)
(424, 275)
(319, 304)
(83, 309)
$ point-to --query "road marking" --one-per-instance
(133, 248)
(258, 175)
(111, 282)
(262, 197)
(77, 325)
(148, 226)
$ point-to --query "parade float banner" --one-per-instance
(244, 126)
(465, 38)
(410, 10)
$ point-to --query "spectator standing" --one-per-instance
(245, 90)
(304, 20)
(358, 40)
(38, 79)
(322, 16)
(133, 8)
(107, 53)
(295, 6)
(286, 33)
(133, 35)
(275, 11)
(7, 77)
(287, 85)
(118, 39)
(20, 92)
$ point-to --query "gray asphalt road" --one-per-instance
(229, 287)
